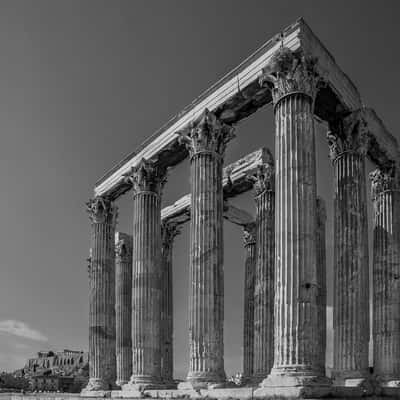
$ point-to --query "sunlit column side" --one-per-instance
(293, 79)
(348, 145)
(386, 277)
(123, 306)
(146, 180)
(249, 239)
(206, 142)
(264, 272)
(102, 364)
(321, 282)
(168, 232)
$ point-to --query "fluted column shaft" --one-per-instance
(296, 287)
(264, 285)
(102, 364)
(206, 141)
(206, 269)
(146, 289)
(248, 326)
(169, 231)
(146, 180)
(321, 283)
(386, 279)
(351, 281)
(123, 306)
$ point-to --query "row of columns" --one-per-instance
(285, 290)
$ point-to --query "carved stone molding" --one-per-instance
(264, 178)
(147, 176)
(102, 210)
(349, 134)
(382, 181)
(208, 134)
(290, 72)
(169, 230)
(123, 250)
(249, 234)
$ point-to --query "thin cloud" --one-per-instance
(21, 329)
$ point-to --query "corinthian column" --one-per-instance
(321, 282)
(123, 306)
(348, 145)
(386, 278)
(264, 273)
(102, 368)
(169, 231)
(146, 180)
(294, 86)
(249, 239)
(206, 142)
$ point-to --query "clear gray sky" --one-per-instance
(82, 83)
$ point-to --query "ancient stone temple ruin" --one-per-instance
(284, 341)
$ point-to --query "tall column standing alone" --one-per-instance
(146, 180)
(206, 142)
(386, 277)
(249, 239)
(123, 306)
(321, 282)
(102, 366)
(169, 231)
(294, 80)
(264, 274)
(348, 145)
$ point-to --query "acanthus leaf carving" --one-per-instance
(249, 234)
(208, 134)
(264, 178)
(290, 72)
(169, 229)
(382, 181)
(102, 210)
(123, 249)
(146, 176)
(348, 134)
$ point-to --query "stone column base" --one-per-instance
(294, 384)
(197, 385)
(96, 388)
(362, 384)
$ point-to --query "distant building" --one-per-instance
(64, 371)
(51, 383)
(60, 363)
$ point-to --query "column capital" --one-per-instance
(321, 211)
(348, 135)
(102, 210)
(123, 250)
(147, 176)
(249, 234)
(264, 177)
(207, 134)
(169, 230)
(289, 73)
(382, 181)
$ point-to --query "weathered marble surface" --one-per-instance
(264, 283)
(386, 277)
(168, 232)
(249, 239)
(206, 143)
(102, 365)
(348, 144)
(295, 371)
(123, 306)
(321, 283)
(146, 181)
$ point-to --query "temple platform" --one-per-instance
(245, 393)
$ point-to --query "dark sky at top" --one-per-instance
(83, 83)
